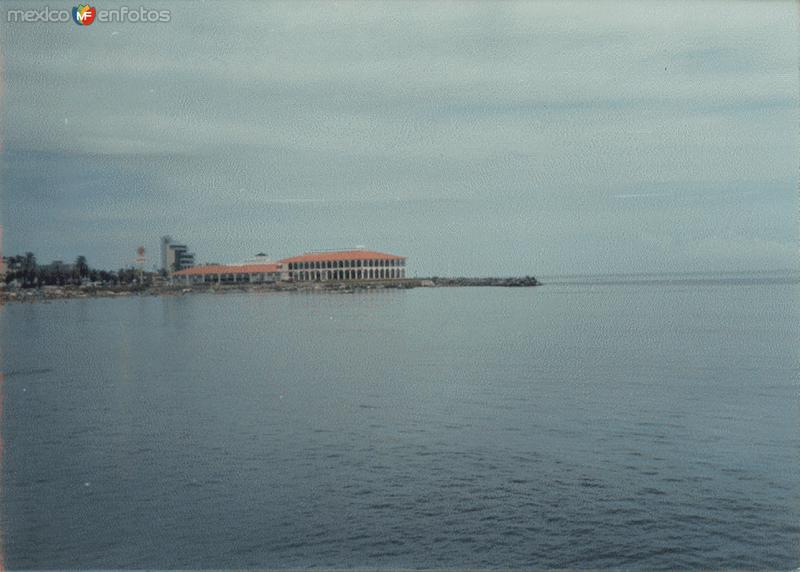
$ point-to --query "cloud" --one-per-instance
(555, 106)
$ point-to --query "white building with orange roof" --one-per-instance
(258, 270)
(344, 265)
(319, 266)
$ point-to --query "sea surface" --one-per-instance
(628, 422)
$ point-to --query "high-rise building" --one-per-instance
(174, 256)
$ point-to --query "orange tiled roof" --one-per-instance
(342, 255)
(229, 269)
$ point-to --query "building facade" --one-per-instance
(256, 273)
(174, 256)
(344, 265)
(334, 266)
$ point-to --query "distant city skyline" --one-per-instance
(476, 139)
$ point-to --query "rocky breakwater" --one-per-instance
(49, 293)
(511, 282)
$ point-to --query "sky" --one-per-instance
(475, 138)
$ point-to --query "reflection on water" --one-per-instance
(577, 425)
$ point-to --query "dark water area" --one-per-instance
(634, 423)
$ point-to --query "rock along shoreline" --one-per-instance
(48, 293)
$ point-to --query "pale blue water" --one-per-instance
(641, 423)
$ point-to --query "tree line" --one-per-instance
(25, 271)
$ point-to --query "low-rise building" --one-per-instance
(230, 273)
(344, 265)
(328, 266)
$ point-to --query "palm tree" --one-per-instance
(82, 267)
(28, 268)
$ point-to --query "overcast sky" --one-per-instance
(474, 138)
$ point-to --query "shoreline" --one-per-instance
(48, 293)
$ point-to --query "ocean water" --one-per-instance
(633, 422)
